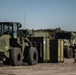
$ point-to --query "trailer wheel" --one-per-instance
(33, 56)
(16, 57)
(69, 52)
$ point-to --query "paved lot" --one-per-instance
(66, 68)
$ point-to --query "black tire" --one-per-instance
(32, 58)
(69, 52)
(16, 57)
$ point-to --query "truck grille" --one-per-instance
(2, 44)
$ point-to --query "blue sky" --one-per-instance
(40, 14)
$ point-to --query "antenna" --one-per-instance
(24, 19)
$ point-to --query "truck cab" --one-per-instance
(9, 28)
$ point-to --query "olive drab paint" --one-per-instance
(60, 50)
(45, 49)
(14, 50)
(52, 49)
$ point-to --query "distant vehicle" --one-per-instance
(69, 41)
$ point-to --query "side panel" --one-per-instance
(62, 50)
(4, 46)
(46, 49)
(56, 51)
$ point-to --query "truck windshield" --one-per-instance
(7, 28)
(63, 35)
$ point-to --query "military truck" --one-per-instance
(69, 42)
(15, 48)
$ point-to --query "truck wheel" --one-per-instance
(69, 53)
(33, 56)
(16, 57)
